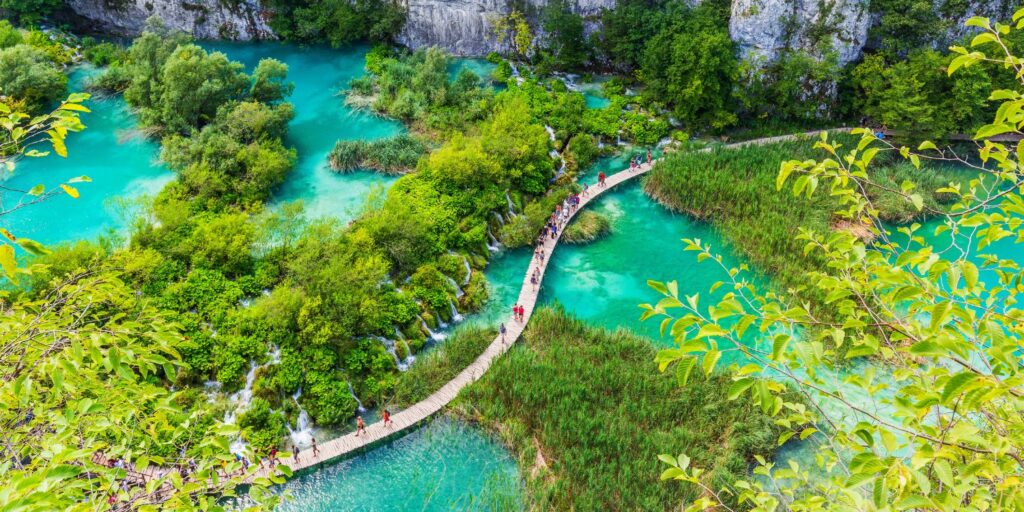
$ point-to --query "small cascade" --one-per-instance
(499, 218)
(436, 336)
(551, 132)
(359, 403)
(458, 291)
(456, 317)
(302, 434)
(664, 142)
(600, 142)
(389, 345)
(494, 245)
(618, 139)
(469, 270)
(554, 154)
(511, 207)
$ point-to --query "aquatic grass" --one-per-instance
(587, 227)
(587, 413)
(734, 190)
(393, 155)
(440, 365)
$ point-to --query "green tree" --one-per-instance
(691, 65)
(195, 84)
(930, 420)
(9, 36)
(28, 75)
(269, 82)
(29, 12)
(565, 37)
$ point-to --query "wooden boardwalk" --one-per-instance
(416, 414)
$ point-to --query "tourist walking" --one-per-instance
(533, 281)
(295, 453)
(502, 331)
(316, 451)
(585, 187)
(360, 425)
(515, 312)
(522, 314)
(273, 457)
(648, 156)
(600, 179)
(387, 418)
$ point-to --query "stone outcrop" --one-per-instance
(204, 19)
(463, 27)
(762, 28)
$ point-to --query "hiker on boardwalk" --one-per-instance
(360, 425)
(387, 418)
(502, 331)
(648, 156)
(273, 457)
(522, 314)
(600, 179)
(585, 188)
(295, 453)
(533, 281)
(515, 312)
(316, 451)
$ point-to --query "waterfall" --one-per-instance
(302, 434)
(664, 142)
(600, 142)
(618, 139)
(389, 345)
(469, 270)
(551, 132)
(511, 208)
(436, 336)
(501, 221)
(458, 291)
(359, 403)
(494, 246)
(456, 317)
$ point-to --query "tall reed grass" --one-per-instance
(587, 413)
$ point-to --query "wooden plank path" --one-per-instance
(417, 413)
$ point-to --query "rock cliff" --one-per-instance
(761, 27)
(204, 19)
(764, 27)
(463, 27)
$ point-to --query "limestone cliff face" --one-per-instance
(463, 27)
(204, 19)
(762, 28)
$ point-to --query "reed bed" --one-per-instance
(441, 364)
(734, 190)
(394, 155)
(586, 227)
(586, 412)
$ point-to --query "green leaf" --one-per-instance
(7, 261)
(684, 368)
(32, 246)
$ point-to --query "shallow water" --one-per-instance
(119, 162)
(321, 119)
(445, 465)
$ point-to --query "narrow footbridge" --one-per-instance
(417, 413)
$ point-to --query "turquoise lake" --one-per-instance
(446, 464)
(120, 162)
(321, 119)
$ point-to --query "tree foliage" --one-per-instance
(930, 421)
